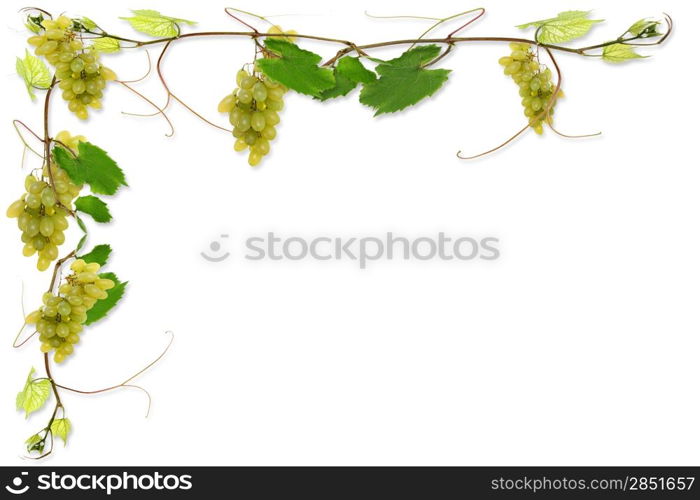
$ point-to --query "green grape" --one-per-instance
(58, 238)
(64, 309)
(257, 121)
(46, 226)
(245, 96)
(250, 137)
(77, 65)
(275, 105)
(512, 68)
(254, 158)
(247, 82)
(269, 133)
(33, 201)
(276, 94)
(33, 227)
(262, 146)
(260, 92)
(62, 330)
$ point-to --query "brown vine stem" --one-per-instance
(172, 96)
(57, 267)
(126, 382)
(59, 406)
(18, 123)
(47, 139)
(47, 145)
(158, 112)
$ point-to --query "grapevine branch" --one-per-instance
(450, 42)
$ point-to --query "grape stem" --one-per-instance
(57, 267)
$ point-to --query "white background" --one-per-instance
(578, 346)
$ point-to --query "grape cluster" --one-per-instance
(535, 82)
(61, 318)
(252, 110)
(81, 75)
(42, 211)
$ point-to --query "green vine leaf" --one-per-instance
(87, 23)
(34, 394)
(81, 243)
(94, 207)
(348, 73)
(99, 254)
(296, 68)
(152, 22)
(106, 45)
(102, 307)
(35, 443)
(565, 27)
(645, 28)
(92, 166)
(403, 81)
(33, 25)
(61, 427)
(34, 72)
(619, 52)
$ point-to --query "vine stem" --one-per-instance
(351, 46)
(126, 383)
(57, 267)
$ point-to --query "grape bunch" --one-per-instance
(61, 318)
(80, 74)
(252, 110)
(535, 82)
(42, 211)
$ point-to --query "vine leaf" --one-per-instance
(61, 427)
(567, 26)
(403, 81)
(348, 73)
(296, 68)
(87, 23)
(619, 52)
(33, 24)
(106, 45)
(34, 394)
(83, 228)
(34, 72)
(94, 207)
(645, 28)
(152, 22)
(99, 254)
(92, 166)
(102, 307)
(35, 443)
